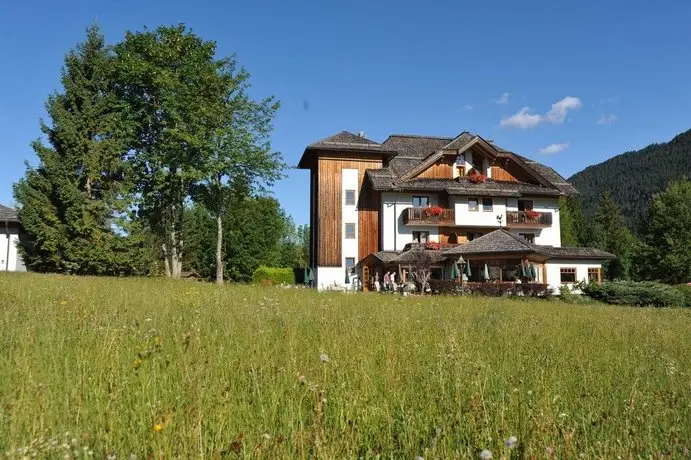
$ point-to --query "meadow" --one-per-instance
(151, 368)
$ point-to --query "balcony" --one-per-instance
(519, 219)
(429, 216)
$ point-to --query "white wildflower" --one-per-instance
(324, 358)
(486, 454)
(511, 442)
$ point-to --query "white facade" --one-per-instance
(394, 233)
(10, 260)
(479, 218)
(554, 271)
(548, 236)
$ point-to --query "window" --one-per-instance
(487, 205)
(473, 204)
(568, 275)
(350, 197)
(525, 205)
(594, 275)
(479, 163)
(350, 231)
(529, 237)
(420, 237)
(350, 262)
(420, 201)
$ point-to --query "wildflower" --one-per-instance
(549, 450)
(485, 454)
(511, 442)
(158, 428)
(266, 436)
(64, 302)
(324, 358)
(562, 415)
(530, 392)
(419, 458)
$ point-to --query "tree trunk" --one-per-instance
(166, 261)
(219, 247)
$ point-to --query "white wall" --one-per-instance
(394, 233)
(554, 271)
(349, 214)
(15, 262)
(550, 236)
(327, 277)
(478, 218)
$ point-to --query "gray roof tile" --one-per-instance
(8, 214)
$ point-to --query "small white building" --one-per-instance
(10, 258)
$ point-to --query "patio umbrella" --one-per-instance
(400, 274)
(533, 272)
(454, 271)
(305, 275)
(310, 278)
(467, 270)
(347, 277)
(524, 271)
(485, 274)
(410, 273)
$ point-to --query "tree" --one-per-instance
(240, 151)
(73, 204)
(667, 242)
(173, 87)
(611, 235)
(567, 230)
(421, 267)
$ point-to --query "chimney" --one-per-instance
(362, 134)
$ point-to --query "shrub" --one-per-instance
(450, 287)
(685, 290)
(645, 293)
(271, 275)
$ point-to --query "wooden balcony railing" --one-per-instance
(425, 216)
(519, 219)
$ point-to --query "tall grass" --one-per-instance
(152, 368)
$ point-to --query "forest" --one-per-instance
(633, 177)
(155, 160)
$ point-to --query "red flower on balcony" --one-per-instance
(532, 215)
(434, 211)
(476, 178)
(431, 245)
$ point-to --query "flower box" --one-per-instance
(435, 211)
(431, 245)
(477, 178)
(532, 215)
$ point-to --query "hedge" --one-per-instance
(450, 287)
(644, 293)
(271, 276)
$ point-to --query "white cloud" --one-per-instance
(467, 107)
(557, 113)
(607, 119)
(523, 119)
(553, 148)
(503, 99)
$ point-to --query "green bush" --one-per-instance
(450, 287)
(271, 276)
(644, 294)
(685, 290)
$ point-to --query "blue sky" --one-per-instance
(567, 83)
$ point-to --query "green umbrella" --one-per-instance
(524, 272)
(486, 273)
(533, 272)
(310, 278)
(454, 272)
(347, 278)
(467, 270)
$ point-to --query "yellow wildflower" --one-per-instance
(158, 428)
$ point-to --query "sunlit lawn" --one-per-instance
(96, 366)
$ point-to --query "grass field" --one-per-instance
(159, 369)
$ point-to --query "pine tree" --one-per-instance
(667, 250)
(567, 231)
(71, 203)
(611, 235)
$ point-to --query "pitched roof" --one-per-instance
(498, 241)
(502, 241)
(405, 155)
(345, 141)
(8, 214)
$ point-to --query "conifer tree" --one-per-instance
(71, 203)
(611, 235)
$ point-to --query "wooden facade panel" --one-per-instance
(329, 205)
(501, 174)
(515, 173)
(443, 169)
